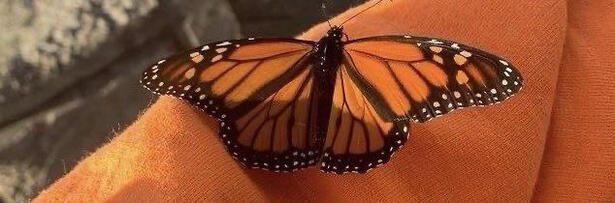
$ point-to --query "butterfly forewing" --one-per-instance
(259, 90)
(421, 78)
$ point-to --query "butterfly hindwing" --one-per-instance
(358, 138)
(258, 89)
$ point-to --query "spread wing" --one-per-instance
(386, 81)
(258, 89)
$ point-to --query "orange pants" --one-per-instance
(553, 141)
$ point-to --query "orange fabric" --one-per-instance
(551, 142)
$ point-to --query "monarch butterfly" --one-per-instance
(286, 104)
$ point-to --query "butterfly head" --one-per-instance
(336, 32)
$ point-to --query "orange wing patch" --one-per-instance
(461, 77)
(432, 72)
(262, 73)
(377, 74)
(264, 50)
(388, 50)
(232, 77)
(476, 75)
(412, 82)
(214, 71)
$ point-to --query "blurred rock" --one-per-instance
(284, 18)
(69, 74)
(47, 43)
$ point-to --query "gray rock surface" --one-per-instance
(40, 54)
(69, 77)
(69, 70)
(284, 18)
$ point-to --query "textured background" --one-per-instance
(69, 69)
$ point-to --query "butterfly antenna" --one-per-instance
(323, 7)
(355, 15)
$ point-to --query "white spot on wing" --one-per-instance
(435, 49)
(504, 62)
(465, 53)
(223, 44)
(438, 59)
(435, 41)
(457, 94)
(220, 50)
(436, 104)
(216, 58)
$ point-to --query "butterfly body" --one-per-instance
(328, 56)
(286, 104)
